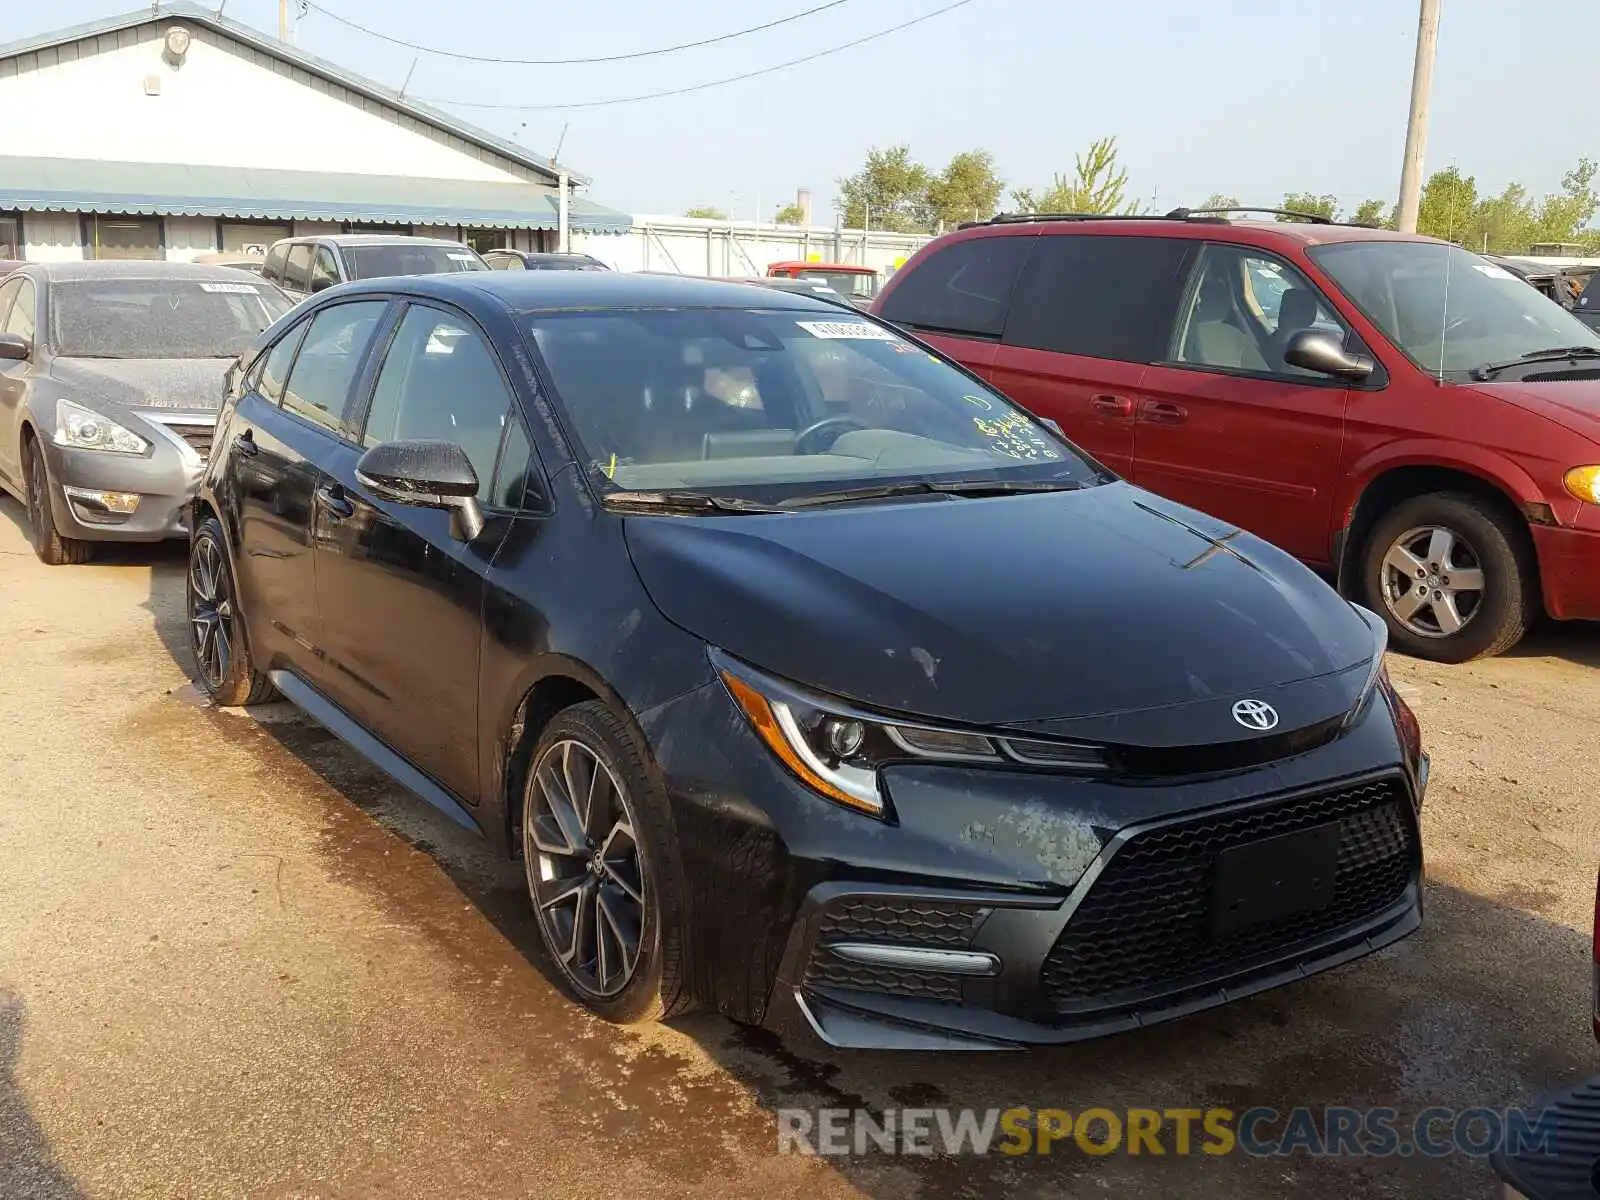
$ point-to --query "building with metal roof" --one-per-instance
(172, 131)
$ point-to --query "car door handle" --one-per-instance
(1117, 406)
(245, 444)
(332, 500)
(1163, 413)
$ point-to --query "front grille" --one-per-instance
(1144, 928)
(198, 437)
(906, 921)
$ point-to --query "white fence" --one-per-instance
(692, 246)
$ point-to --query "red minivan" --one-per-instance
(1395, 410)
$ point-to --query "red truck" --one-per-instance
(856, 283)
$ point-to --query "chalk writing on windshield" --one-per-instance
(1013, 435)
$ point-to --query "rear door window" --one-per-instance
(298, 273)
(324, 271)
(275, 363)
(320, 381)
(1100, 296)
(964, 289)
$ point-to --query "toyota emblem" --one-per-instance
(1255, 714)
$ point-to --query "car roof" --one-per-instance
(129, 269)
(548, 290)
(1307, 233)
(370, 239)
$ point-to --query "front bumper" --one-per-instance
(164, 481)
(1569, 570)
(1004, 907)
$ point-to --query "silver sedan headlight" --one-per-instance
(81, 428)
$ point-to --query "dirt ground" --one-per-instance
(234, 961)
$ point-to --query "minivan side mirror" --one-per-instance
(1320, 351)
(429, 474)
(14, 346)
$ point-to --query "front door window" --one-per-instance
(1242, 311)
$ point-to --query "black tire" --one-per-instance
(1482, 538)
(656, 986)
(53, 549)
(223, 666)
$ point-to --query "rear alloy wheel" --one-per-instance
(220, 653)
(53, 549)
(599, 870)
(1450, 576)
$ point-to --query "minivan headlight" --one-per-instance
(1584, 483)
(81, 428)
(837, 750)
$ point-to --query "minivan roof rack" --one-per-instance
(1183, 214)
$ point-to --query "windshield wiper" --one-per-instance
(958, 487)
(684, 502)
(1553, 354)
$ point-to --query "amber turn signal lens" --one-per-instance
(765, 721)
(1584, 483)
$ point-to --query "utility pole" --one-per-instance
(1417, 125)
(283, 20)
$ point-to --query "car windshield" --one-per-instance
(161, 318)
(409, 258)
(1449, 311)
(849, 283)
(799, 400)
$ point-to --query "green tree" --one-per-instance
(889, 192)
(1371, 212)
(1097, 185)
(966, 190)
(790, 214)
(1218, 200)
(706, 211)
(1311, 204)
(1448, 206)
(1565, 215)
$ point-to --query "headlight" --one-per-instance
(837, 750)
(84, 429)
(1375, 669)
(1584, 483)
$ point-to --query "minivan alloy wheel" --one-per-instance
(584, 868)
(210, 612)
(1432, 581)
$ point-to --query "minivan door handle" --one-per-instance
(1117, 406)
(331, 499)
(1164, 413)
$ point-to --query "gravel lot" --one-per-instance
(234, 961)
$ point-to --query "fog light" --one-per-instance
(91, 505)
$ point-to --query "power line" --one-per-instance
(700, 87)
(571, 62)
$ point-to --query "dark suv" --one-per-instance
(806, 674)
(302, 265)
(1393, 410)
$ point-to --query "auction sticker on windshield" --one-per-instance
(232, 289)
(847, 329)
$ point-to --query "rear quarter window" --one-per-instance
(964, 288)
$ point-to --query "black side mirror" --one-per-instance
(1320, 351)
(14, 346)
(429, 474)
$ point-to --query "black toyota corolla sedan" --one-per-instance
(810, 679)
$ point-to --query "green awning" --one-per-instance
(177, 190)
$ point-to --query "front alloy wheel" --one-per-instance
(584, 867)
(1432, 581)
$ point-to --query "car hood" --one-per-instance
(1065, 612)
(1573, 403)
(192, 384)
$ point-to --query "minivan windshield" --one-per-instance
(711, 398)
(1446, 309)
(161, 318)
(409, 258)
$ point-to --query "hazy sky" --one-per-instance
(1246, 97)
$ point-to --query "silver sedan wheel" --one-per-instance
(584, 870)
(1432, 581)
